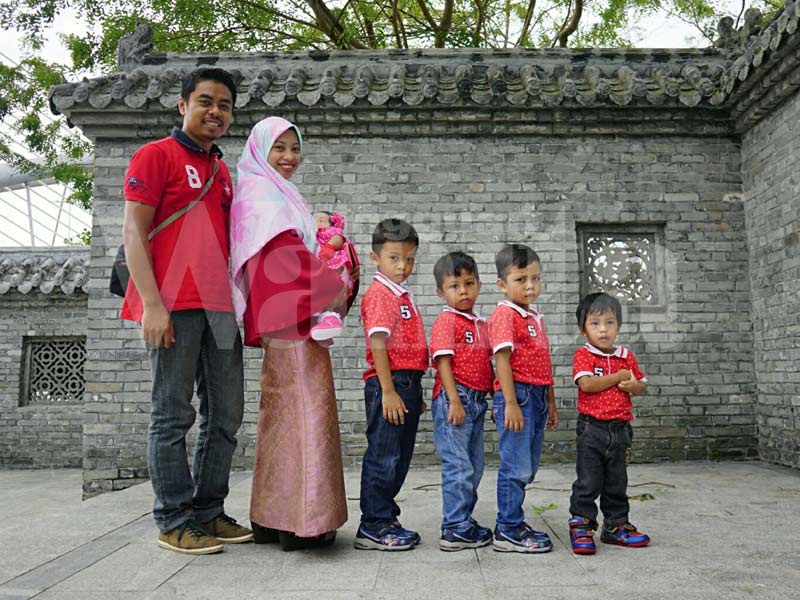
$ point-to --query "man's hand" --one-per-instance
(624, 375)
(157, 327)
(394, 410)
(513, 419)
(632, 386)
(552, 411)
(456, 414)
(552, 417)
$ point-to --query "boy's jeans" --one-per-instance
(461, 450)
(389, 448)
(208, 352)
(519, 451)
(600, 466)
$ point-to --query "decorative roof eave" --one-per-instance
(418, 79)
(763, 63)
(46, 271)
(725, 84)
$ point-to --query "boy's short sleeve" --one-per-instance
(581, 364)
(634, 367)
(146, 176)
(443, 336)
(378, 315)
(501, 330)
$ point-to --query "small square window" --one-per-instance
(623, 260)
(52, 370)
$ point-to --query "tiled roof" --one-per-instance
(61, 270)
(443, 78)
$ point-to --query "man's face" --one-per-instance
(207, 114)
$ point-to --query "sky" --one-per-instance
(656, 31)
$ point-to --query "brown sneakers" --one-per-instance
(190, 538)
(227, 530)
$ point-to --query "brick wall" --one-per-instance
(770, 158)
(475, 194)
(37, 435)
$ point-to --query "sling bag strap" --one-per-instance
(179, 213)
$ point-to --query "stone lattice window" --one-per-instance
(625, 261)
(53, 370)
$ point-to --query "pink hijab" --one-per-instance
(265, 204)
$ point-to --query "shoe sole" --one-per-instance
(628, 545)
(237, 540)
(326, 334)
(584, 551)
(363, 544)
(456, 546)
(208, 550)
(500, 546)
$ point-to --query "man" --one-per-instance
(180, 293)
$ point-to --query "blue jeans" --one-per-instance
(389, 448)
(519, 451)
(461, 449)
(207, 352)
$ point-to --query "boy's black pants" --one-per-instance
(603, 448)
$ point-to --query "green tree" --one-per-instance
(259, 25)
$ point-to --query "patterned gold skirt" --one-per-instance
(298, 484)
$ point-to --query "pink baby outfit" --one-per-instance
(343, 257)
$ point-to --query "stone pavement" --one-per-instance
(720, 530)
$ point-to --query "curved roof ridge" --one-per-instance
(65, 270)
(711, 78)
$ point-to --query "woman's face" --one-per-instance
(284, 156)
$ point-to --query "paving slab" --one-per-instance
(715, 528)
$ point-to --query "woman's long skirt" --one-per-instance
(298, 485)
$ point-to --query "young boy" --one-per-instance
(397, 353)
(524, 403)
(462, 357)
(607, 377)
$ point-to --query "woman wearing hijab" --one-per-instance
(298, 495)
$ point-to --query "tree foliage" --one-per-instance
(261, 25)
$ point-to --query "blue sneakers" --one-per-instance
(406, 532)
(581, 536)
(522, 539)
(474, 536)
(624, 535)
(388, 538)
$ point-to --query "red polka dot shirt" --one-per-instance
(389, 307)
(465, 338)
(511, 326)
(612, 403)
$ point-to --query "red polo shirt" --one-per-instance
(389, 307)
(190, 256)
(511, 326)
(612, 403)
(464, 337)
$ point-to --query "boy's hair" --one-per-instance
(514, 255)
(393, 230)
(453, 264)
(596, 303)
(219, 75)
